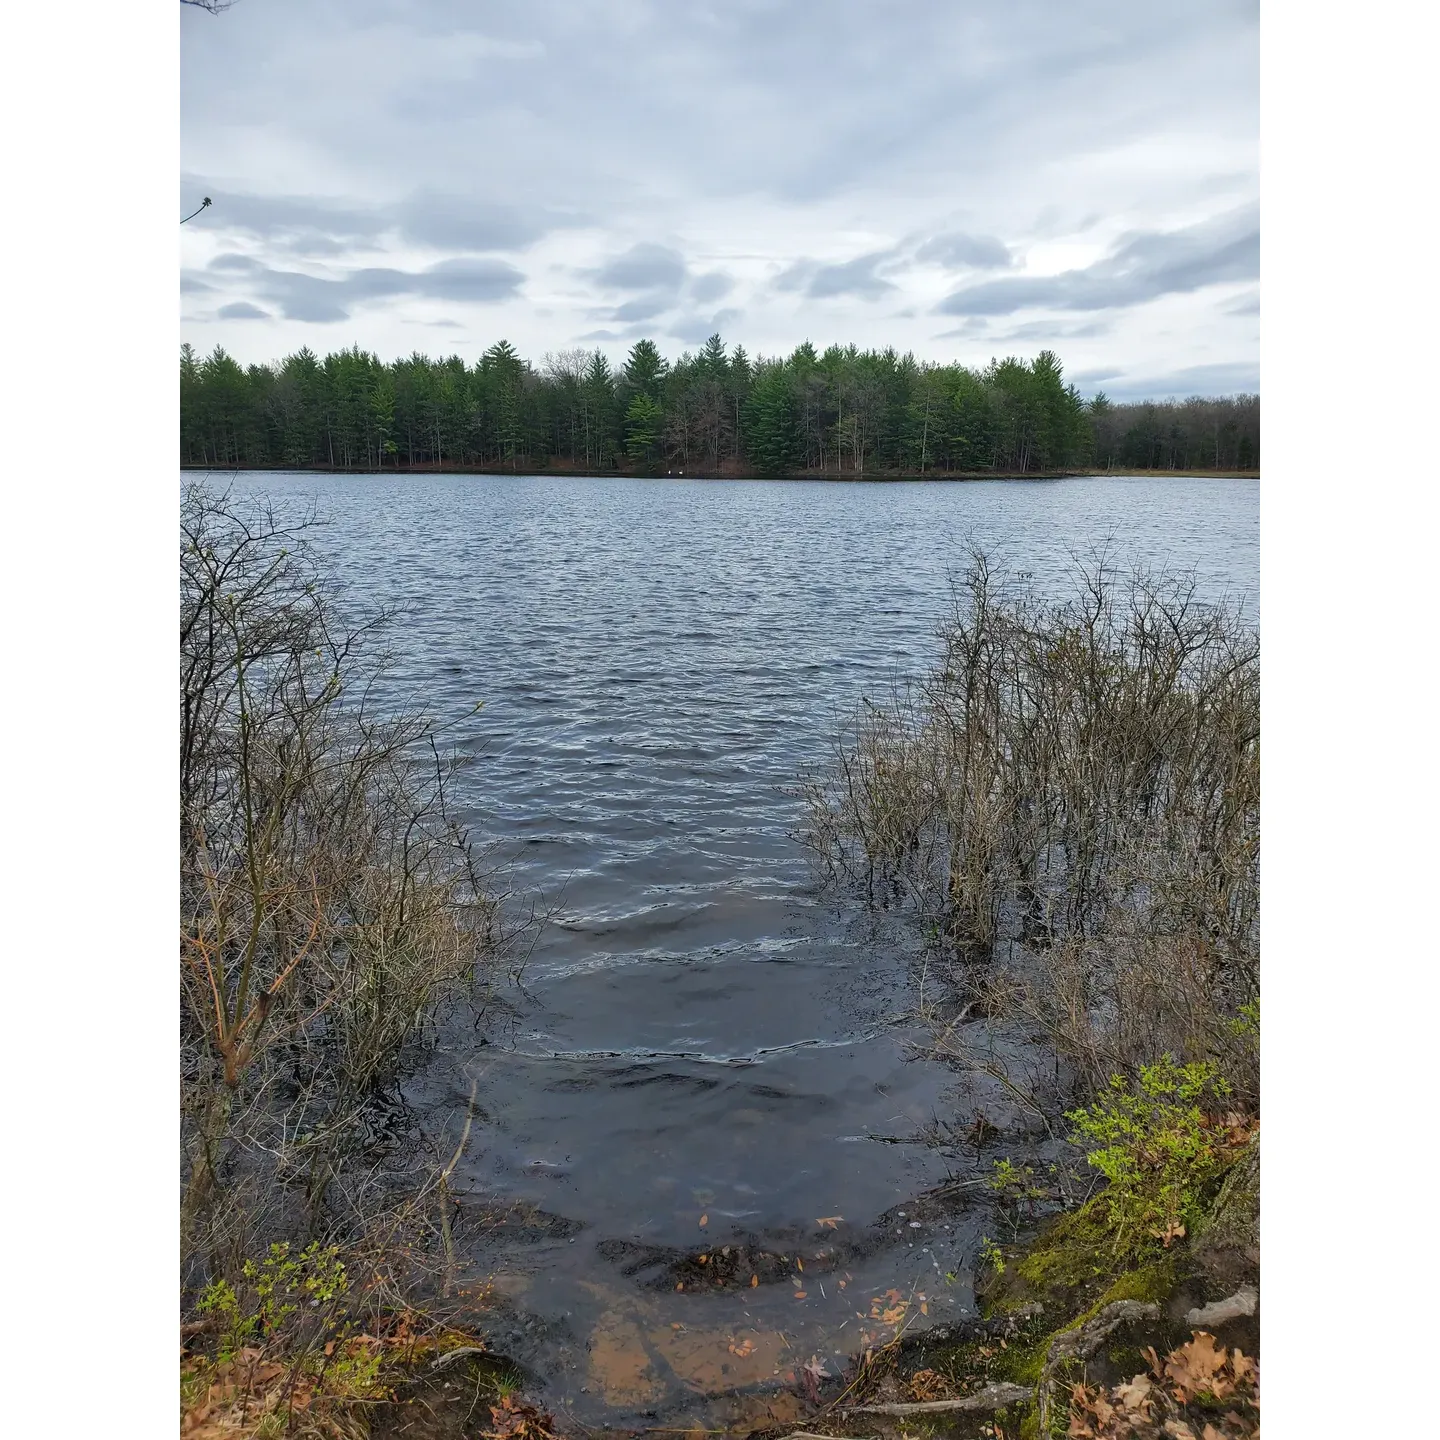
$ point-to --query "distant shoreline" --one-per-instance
(883, 477)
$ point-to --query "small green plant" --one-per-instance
(280, 1288)
(992, 1254)
(1015, 1183)
(1159, 1143)
(284, 1340)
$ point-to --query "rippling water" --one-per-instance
(700, 1033)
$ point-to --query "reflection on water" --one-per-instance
(701, 1035)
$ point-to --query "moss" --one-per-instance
(1150, 1284)
(1232, 1221)
(1071, 1255)
(1021, 1363)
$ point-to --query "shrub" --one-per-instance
(1160, 1143)
(1069, 802)
(330, 902)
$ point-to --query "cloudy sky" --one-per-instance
(956, 178)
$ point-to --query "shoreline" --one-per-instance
(949, 477)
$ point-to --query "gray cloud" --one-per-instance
(643, 267)
(242, 310)
(696, 329)
(956, 251)
(1142, 267)
(643, 309)
(1049, 331)
(321, 300)
(850, 277)
(711, 286)
(1216, 379)
(233, 263)
(433, 219)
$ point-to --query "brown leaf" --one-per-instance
(704, 1220)
(1198, 1365)
(829, 1222)
(800, 1294)
(1136, 1395)
(754, 1281)
(1244, 1369)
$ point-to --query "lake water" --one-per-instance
(706, 1051)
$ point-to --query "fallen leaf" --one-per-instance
(800, 1294)
(1198, 1365)
(704, 1220)
(754, 1281)
(829, 1222)
(680, 1286)
(799, 1263)
(704, 1258)
(1244, 1369)
(1135, 1395)
(1173, 1230)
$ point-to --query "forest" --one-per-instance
(840, 412)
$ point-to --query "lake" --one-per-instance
(706, 1054)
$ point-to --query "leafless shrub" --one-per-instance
(330, 901)
(1071, 798)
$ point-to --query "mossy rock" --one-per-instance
(1229, 1235)
(1071, 1261)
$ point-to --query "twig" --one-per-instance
(992, 1397)
(442, 1360)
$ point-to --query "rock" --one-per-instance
(1234, 1307)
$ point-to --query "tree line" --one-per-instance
(843, 411)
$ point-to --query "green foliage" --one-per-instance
(279, 1288)
(847, 411)
(992, 1255)
(291, 1306)
(1158, 1148)
(1015, 1182)
(643, 418)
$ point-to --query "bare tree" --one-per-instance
(330, 901)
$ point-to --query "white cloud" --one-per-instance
(634, 162)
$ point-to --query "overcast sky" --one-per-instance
(960, 179)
